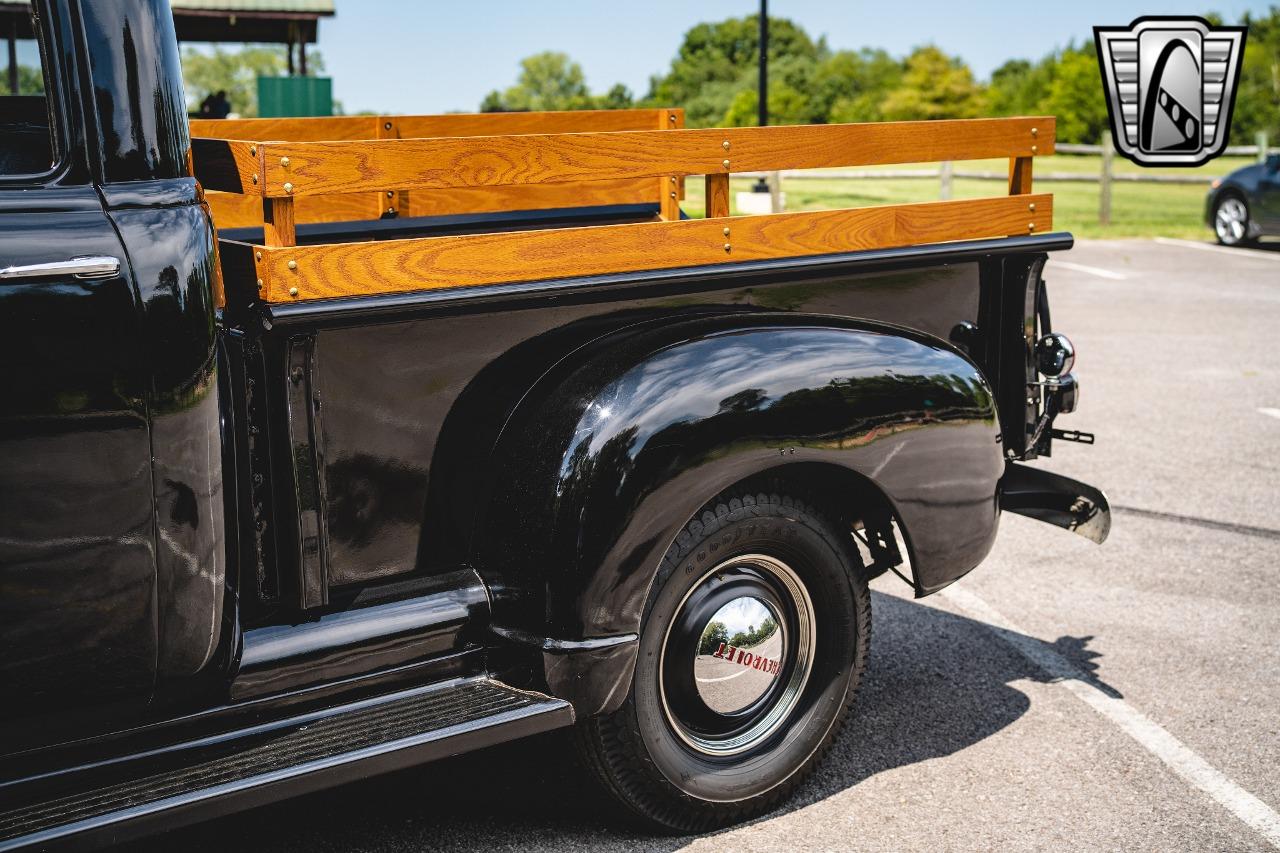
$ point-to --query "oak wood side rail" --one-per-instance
(300, 169)
(293, 273)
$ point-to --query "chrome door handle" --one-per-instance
(98, 266)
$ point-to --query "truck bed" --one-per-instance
(476, 183)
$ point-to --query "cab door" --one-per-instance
(77, 541)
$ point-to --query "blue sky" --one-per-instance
(427, 56)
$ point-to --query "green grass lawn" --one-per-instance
(1137, 210)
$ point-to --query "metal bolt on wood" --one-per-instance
(257, 256)
(726, 164)
(284, 161)
(726, 232)
(288, 187)
(726, 145)
(728, 247)
(293, 265)
(293, 291)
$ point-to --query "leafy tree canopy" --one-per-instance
(933, 85)
(552, 81)
(713, 77)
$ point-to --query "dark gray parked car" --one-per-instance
(1245, 205)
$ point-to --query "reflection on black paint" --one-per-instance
(367, 493)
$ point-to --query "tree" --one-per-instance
(236, 73)
(851, 86)
(712, 636)
(547, 81)
(1258, 92)
(552, 81)
(1076, 97)
(1019, 86)
(30, 81)
(714, 73)
(934, 86)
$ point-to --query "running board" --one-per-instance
(306, 754)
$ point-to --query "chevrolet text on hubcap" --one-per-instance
(737, 656)
(1232, 221)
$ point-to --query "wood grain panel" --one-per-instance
(499, 124)
(355, 269)
(326, 167)
(233, 210)
(318, 129)
(337, 128)
(527, 197)
(229, 165)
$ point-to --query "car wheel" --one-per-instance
(1231, 221)
(753, 644)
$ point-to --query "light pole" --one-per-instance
(762, 95)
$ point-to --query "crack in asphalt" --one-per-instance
(1242, 529)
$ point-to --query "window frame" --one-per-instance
(56, 103)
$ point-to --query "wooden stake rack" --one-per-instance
(340, 169)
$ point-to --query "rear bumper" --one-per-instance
(1057, 500)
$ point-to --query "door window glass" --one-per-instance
(26, 123)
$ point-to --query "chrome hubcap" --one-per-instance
(1232, 221)
(737, 655)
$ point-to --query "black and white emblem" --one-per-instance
(1171, 84)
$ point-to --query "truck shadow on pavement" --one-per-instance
(937, 683)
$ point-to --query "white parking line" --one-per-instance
(1275, 413)
(1098, 271)
(1150, 735)
(721, 678)
(1210, 247)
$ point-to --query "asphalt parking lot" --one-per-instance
(1064, 695)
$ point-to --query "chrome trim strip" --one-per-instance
(551, 644)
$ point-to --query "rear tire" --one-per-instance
(708, 737)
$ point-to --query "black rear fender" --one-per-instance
(618, 446)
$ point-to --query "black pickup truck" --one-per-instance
(322, 494)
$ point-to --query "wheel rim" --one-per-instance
(1231, 223)
(723, 699)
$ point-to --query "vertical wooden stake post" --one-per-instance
(391, 201)
(717, 195)
(278, 222)
(669, 187)
(1019, 175)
